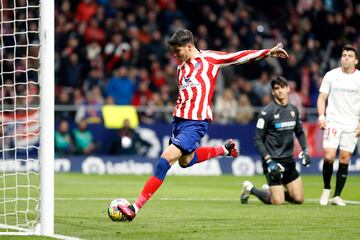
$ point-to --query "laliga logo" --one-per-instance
(93, 165)
(243, 166)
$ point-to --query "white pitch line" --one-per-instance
(183, 199)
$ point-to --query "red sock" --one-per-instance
(152, 184)
(205, 153)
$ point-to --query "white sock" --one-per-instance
(226, 152)
(136, 208)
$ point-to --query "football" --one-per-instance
(114, 212)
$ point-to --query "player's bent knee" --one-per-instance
(299, 200)
(277, 201)
(344, 158)
(329, 158)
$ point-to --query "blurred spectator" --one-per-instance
(72, 75)
(246, 87)
(291, 70)
(142, 95)
(126, 141)
(78, 97)
(91, 109)
(153, 110)
(266, 99)
(92, 81)
(262, 85)
(86, 10)
(64, 99)
(226, 107)
(116, 51)
(109, 100)
(157, 75)
(121, 87)
(83, 139)
(63, 141)
(156, 48)
(94, 33)
(296, 99)
(245, 111)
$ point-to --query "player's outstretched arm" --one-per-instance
(278, 51)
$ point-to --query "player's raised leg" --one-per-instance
(205, 153)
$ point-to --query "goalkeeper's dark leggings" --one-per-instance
(265, 196)
(262, 195)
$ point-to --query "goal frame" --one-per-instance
(46, 155)
(46, 80)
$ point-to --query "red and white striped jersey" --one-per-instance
(197, 79)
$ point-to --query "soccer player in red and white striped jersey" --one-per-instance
(196, 82)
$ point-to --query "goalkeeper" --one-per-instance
(274, 139)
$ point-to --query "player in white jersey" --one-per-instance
(196, 80)
(340, 120)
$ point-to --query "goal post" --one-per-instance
(27, 117)
(46, 156)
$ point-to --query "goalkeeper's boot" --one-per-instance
(246, 192)
(338, 201)
(324, 199)
(128, 211)
(230, 146)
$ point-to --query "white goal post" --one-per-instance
(27, 117)
(47, 80)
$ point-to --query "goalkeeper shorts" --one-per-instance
(289, 175)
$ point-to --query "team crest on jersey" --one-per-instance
(187, 79)
(277, 116)
(292, 113)
(197, 65)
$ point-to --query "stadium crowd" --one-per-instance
(112, 51)
(115, 52)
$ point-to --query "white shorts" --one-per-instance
(334, 136)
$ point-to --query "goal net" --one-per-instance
(20, 117)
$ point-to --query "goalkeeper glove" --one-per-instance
(305, 158)
(274, 169)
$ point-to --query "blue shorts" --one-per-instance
(186, 134)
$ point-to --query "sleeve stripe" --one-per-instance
(237, 57)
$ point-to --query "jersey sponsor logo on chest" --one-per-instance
(187, 82)
(346, 90)
(285, 125)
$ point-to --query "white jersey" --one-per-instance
(343, 107)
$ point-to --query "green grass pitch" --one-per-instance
(188, 207)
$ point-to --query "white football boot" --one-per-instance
(338, 201)
(246, 192)
(325, 196)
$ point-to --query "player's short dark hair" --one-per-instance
(279, 80)
(348, 47)
(181, 38)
